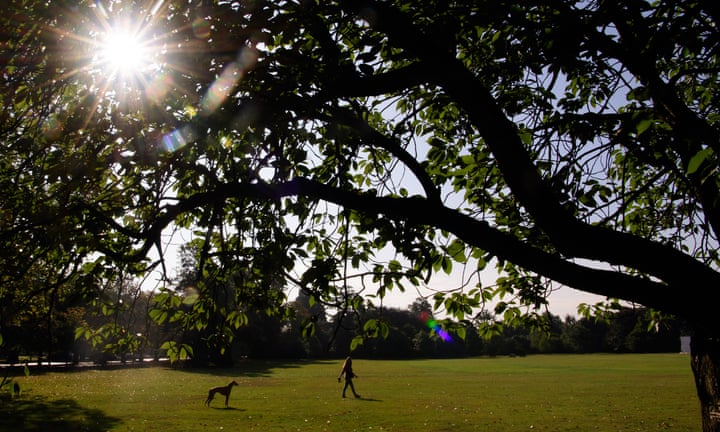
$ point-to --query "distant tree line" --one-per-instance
(628, 330)
(70, 330)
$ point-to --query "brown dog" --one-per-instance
(223, 390)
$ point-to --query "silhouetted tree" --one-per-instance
(372, 142)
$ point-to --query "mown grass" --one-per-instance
(544, 393)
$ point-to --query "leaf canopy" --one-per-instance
(304, 142)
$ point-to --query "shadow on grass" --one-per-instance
(255, 368)
(223, 408)
(369, 399)
(42, 415)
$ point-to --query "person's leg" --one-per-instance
(347, 382)
(352, 387)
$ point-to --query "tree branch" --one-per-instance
(371, 134)
(424, 212)
(505, 246)
(570, 236)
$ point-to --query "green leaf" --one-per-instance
(158, 315)
(186, 352)
(384, 329)
(437, 263)
(644, 125)
(525, 136)
(190, 299)
(80, 332)
(447, 265)
(308, 329)
(237, 319)
(697, 160)
(176, 351)
(356, 342)
(371, 327)
(456, 250)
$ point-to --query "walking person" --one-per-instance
(347, 370)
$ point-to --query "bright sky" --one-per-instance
(563, 301)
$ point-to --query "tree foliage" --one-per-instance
(351, 148)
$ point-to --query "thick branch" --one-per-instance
(505, 246)
(476, 233)
(569, 235)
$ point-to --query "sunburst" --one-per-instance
(126, 53)
(131, 59)
(127, 48)
(114, 50)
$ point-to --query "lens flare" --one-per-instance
(201, 28)
(178, 139)
(430, 322)
(225, 84)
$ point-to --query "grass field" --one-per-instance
(539, 393)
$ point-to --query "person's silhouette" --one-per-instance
(347, 370)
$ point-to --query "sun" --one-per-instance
(125, 53)
(122, 51)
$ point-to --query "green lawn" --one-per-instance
(543, 393)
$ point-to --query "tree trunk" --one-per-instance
(705, 355)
